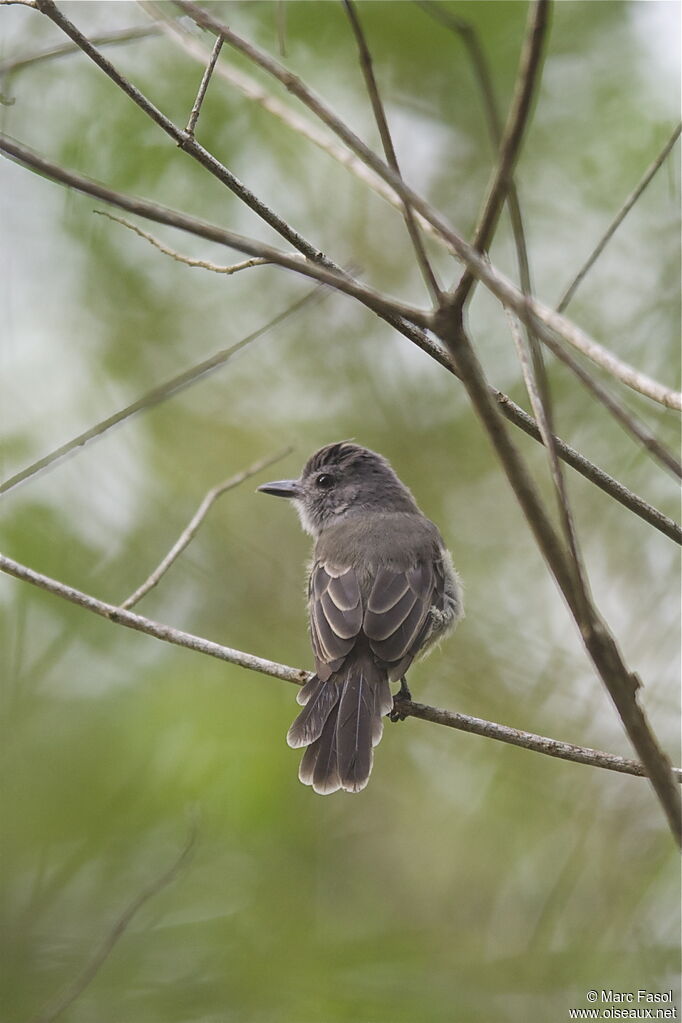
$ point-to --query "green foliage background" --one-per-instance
(470, 881)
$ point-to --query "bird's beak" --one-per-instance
(282, 488)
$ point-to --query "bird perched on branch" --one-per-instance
(381, 591)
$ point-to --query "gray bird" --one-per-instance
(381, 591)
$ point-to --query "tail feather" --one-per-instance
(340, 724)
(355, 725)
(326, 778)
(383, 704)
(306, 769)
(321, 700)
(307, 690)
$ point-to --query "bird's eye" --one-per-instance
(324, 480)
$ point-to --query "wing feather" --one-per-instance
(387, 590)
(345, 623)
(345, 591)
(383, 626)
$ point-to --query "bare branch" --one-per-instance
(531, 311)
(618, 219)
(512, 736)
(182, 138)
(192, 528)
(513, 412)
(255, 93)
(338, 279)
(78, 986)
(166, 633)
(621, 684)
(526, 740)
(526, 308)
(628, 421)
(527, 82)
(481, 71)
(604, 358)
(533, 369)
(157, 394)
(202, 264)
(389, 149)
(196, 109)
(126, 35)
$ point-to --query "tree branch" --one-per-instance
(621, 684)
(196, 109)
(513, 412)
(626, 419)
(192, 528)
(365, 57)
(617, 220)
(462, 722)
(201, 264)
(255, 93)
(127, 35)
(527, 82)
(157, 394)
(531, 311)
(339, 280)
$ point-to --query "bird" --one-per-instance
(382, 591)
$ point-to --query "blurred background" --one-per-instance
(470, 881)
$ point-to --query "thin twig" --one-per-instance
(202, 264)
(468, 35)
(182, 138)
(621, 684)
(126, 35)
(631, 423)
(503, 189)
(618, 219)
(80, 983)
(387, 142)
(196, 109)
(192, 528)
(158, 394)
(513, 412)
(525, 90)
(526, 740)
(296, 122)
(627, 419)
(528, 309)
(316, 271)
(537, 386)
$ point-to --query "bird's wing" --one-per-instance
(397, 617)
(335, 606)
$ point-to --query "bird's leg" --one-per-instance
(402, 694)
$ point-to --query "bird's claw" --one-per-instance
(401, 696)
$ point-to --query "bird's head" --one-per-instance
(343, 479)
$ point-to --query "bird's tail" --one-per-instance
(340, 723)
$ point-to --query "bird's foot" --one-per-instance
(401, 696)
